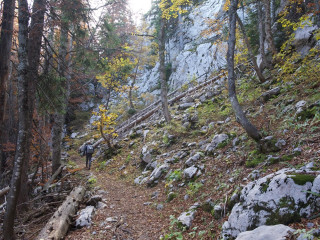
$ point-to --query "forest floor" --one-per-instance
(128, 207)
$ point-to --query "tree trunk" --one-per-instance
(23, 111)
(317, 3)
(268, 28)
(180, 34)
(272, 11)
(164, 91)
(241, 117)
(252, 57)
(58, 225)
(59, 118)
(134, 82)
(262, 36)
(34, 47)
(5, 50)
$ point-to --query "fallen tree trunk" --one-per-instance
(54, 176)
(4, 191)
(58, 224)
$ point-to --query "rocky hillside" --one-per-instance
(205, 172)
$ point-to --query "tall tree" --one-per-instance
(5, 50)
(240, 115)
(262, 36)
(251, 55)
(268, 28)
(8, 231)
(162, 70)
(168, 9)
(59, 116)
(34, 48)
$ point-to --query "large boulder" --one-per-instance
(276, 232)
(279, 198)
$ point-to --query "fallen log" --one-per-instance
(58, 224)
(4, 191)
(136, 119)
(53, 177)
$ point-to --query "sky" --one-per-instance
(139, 7)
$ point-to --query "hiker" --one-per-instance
(88, 151)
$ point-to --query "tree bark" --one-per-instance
(4, 191)
(262, 36)
(23, 111)
(5, 50)
(134, 82)
(34, 47)
(317, 3)
(252, 57)
(268, 28)
(164, 91)
(241, 117)
(59, 118)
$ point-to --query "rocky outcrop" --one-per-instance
(279, 198)
(193, 55)
(277, 232)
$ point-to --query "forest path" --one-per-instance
(131, 211)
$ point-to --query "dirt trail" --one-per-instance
(132, 209)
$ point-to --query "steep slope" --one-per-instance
(203, 159)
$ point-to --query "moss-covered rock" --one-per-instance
(279, 198)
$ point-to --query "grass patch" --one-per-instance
(302, 179)
(254, 158)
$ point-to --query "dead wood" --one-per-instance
(4, 191)
(58, 225)
(54, 176)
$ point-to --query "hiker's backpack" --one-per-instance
(90, 149)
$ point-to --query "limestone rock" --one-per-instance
(157, 173)
(276, 232)
(187, 217)
(216, 142)
(84, 217)
(185, 106)
(269, 94)
(277, 198)
(190, 172)
(194, 159)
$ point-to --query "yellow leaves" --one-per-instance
(117, 70)
(171, 8)
(226, 5)
(106, 121)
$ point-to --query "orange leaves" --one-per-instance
(9, 147)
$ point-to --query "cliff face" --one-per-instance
(192, 53)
